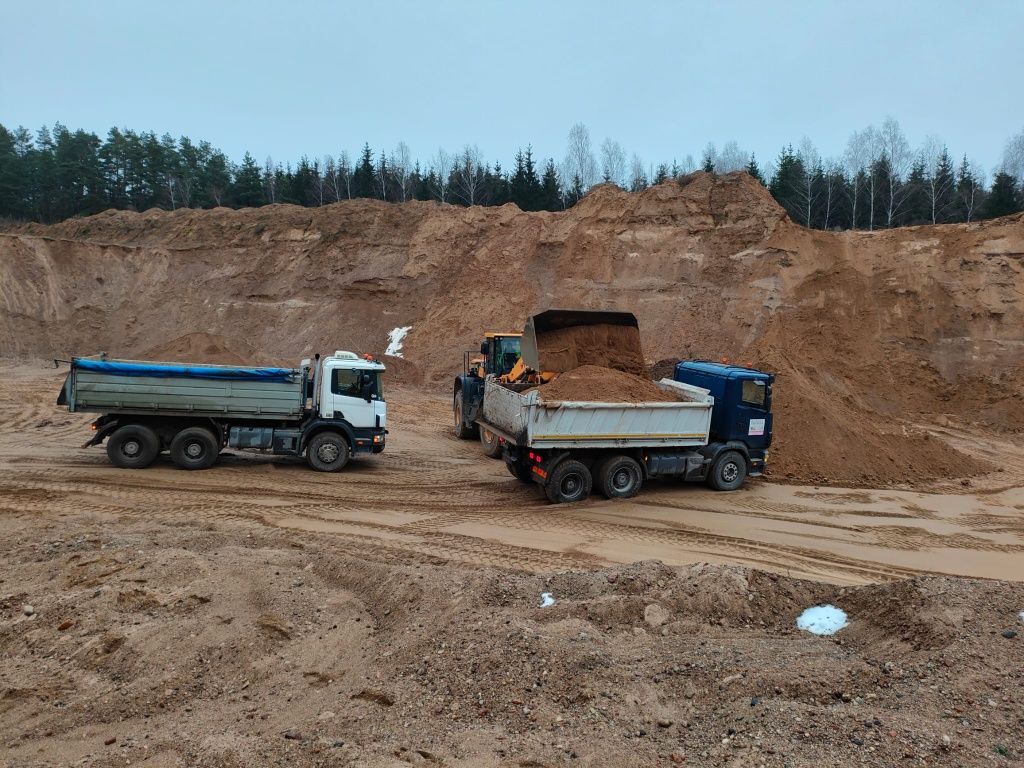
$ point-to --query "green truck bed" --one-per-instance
(177, 389)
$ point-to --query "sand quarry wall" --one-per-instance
(863, 328)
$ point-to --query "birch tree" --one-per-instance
(731, 158)
(441, 165)
(1013, 157)
(469, 177)
(810, 160)
(613, 162)
(938, 176)
(637, 177)
(401, 170)
(579, 157)
(897, 152)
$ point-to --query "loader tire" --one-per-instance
(327, 452)
(133, 446)
(490, 442)
(194, 448)
(619, 477)
(570, 481)
(729, 471)
(462, 430)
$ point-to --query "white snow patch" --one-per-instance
(1021, 614)
(822, 620)
(546, 600)
(395, 338)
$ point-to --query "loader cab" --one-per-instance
(350, 389)
(743, 401)
(499, 352)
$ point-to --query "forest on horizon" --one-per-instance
(880, 181)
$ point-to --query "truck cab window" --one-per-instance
(754, 393)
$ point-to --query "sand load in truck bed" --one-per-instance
(595, 384)
(609, 346)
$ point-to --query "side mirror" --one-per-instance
(485, 348)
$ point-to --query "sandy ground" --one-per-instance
(260, 613)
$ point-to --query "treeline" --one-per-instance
(880, 181)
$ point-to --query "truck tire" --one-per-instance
(619, 477)
(462, 430)
(520, 471)
(194, 448)
(491, 442)
(728, 472)
(133, 446)
(570, 481)
(327, 452)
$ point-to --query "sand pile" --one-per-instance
(207, 348)
(607, 346)
(591, 383)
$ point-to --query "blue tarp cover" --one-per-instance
(165, 371)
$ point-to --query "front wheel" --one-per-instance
(620, 477)
(728, 472)
(490, 442)
(570, 481)
(133, 446)
(462, 430)
(327, 452)
(194, 448)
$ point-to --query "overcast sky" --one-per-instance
(663, 78)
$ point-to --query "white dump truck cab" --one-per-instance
(350, 389)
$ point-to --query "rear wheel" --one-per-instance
(570, 481)
(619, 477)
(520, 471)
(462, 430)
(728, 472)
(491, 443)
(133, 446)
(194, 448)
(327, 452)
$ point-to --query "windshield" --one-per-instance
(506, 353)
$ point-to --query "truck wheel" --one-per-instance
(462, 430)
(194, 448)
(729, 471)
(491, 443)
(133, 446)
(571, 481)
(619, 477)
(520, 471)
(327, 452)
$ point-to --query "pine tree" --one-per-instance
(363, 184)
(247, 189)
(551, 190)
(1002, 198)
(525, 188)
(753, 170)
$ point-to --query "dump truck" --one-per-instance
(717, 430)
(326, 409)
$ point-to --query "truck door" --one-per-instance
(346, 389)
(752, 422)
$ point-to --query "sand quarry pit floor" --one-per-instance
(261, 613)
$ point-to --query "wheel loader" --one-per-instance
(530, 358)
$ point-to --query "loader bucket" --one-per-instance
(559, 340)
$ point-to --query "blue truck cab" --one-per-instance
(741, 418)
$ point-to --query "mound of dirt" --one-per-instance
(207, 348)
(591, 383)
(608, 346)
(398, 370)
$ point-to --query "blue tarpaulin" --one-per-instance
(165, 371)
